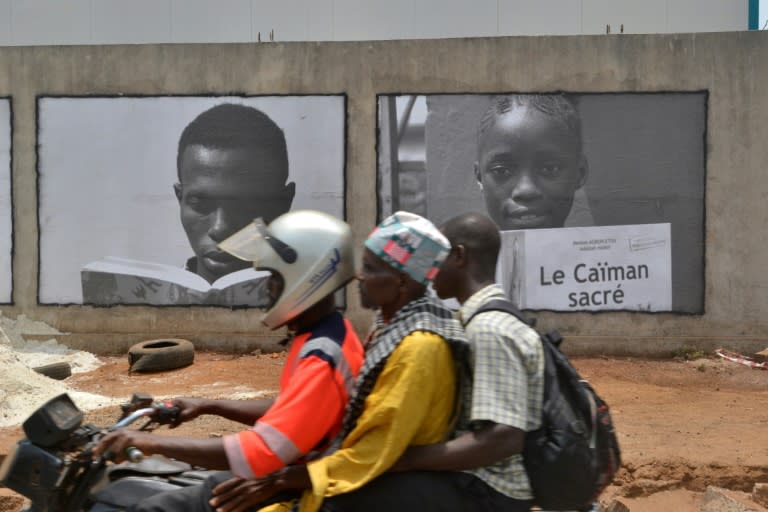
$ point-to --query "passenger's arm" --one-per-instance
(486, 446)
(199, 452)
(394, 417)
(499, 406)
(242, 411)
(411, 403)
(241, 495)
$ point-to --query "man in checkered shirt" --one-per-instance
(504, 398)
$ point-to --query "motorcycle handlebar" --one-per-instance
(135, 415)
(134, 454)
(162, 413)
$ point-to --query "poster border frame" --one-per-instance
(40, 96)
(11, 128)
(705, 148)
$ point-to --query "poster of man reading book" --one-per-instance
(6, 206)
(181, 175)
(543, 164)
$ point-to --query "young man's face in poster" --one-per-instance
(221, 190)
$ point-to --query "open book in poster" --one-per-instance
(588, 268)
(114, 280)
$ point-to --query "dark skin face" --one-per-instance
(275, 285)
(446, 282)
(468, 268)
(366, 271)
(529, 167)
(378, 282)
(383, 287)
(221, 191)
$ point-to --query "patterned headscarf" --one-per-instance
(411, 244)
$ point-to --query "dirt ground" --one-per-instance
(683, 425)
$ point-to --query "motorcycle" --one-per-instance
(54, 467)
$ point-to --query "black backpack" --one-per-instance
(575, 453)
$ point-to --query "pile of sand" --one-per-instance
(22, 390)
(35, 353)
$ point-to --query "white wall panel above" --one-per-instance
(544, 17)
(288, 19)
(453, 18)
(201, 21)
(357, 20)
(707, 15)
(5, 22)
(320, 26)
(292, 20)
(648, 16)
(762, 17)
(40, 22)
(137, 21)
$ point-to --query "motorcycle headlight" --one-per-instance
(31, 471)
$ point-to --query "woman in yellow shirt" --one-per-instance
(406, 392)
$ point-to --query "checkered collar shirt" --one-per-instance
(507, 384)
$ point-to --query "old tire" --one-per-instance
(58, 371)
(161, 354)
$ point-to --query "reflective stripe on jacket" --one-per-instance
(315, 385)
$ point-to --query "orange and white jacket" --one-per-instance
(315, 385)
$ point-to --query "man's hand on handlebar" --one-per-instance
(189, 409)
(120, 445)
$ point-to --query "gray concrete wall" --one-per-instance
(731, 66)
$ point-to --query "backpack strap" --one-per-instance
(505, 306)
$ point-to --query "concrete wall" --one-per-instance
(729, 65)
(36, 22)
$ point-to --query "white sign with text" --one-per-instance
(588, 268)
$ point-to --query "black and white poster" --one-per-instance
(6, 204)
(135, 193)
(599, 197)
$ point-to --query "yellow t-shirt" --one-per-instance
(410, 404)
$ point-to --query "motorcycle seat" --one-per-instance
(148, 466)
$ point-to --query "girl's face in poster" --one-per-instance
(529, 166)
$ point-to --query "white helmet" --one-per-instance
(312, 251)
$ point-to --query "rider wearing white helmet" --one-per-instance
(308, 252)
(310, 256)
